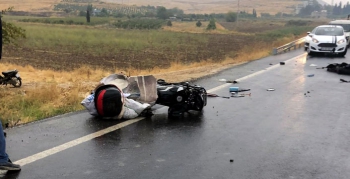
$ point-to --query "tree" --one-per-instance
(231, 17)
(88, 16)
(254, 13)
(82, 13)
(90, 8)
(199, 23)
(211, 25)
(162, 13)
(169, 23)
(10, 32)
(104, 12)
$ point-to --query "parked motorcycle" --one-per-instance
(11, 77)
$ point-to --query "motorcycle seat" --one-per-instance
(8, 72)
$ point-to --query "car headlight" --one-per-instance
(341, 41)
(315, 40)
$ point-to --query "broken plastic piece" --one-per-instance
(282, 63)
(215, 95)
(311, 75)
(236, 94)
(237, 89)
(270, 89)
(313, 65)
(344, 81)
(228, 81)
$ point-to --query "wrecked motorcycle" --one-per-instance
(180, 97)
(11, 77)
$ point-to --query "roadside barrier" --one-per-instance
(290, 46)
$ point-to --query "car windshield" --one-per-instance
(332, 31)
(345, 26)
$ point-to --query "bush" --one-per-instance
(140, 24)
(199, 23)
(298, 23)
(211, 25)
(231, 17)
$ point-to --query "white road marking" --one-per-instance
(86, 138)
(75, 142)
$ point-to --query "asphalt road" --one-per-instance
(300, 130)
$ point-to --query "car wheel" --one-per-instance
(343, 53)
(309, 52)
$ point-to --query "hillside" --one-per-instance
(189, 6)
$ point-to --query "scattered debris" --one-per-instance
(215, 95)
(228, 81)
(344, 81)
(311, 75)
(237, 89)
(231, 160)
(282, 63)
(271, 64)
(237, 95)
(313, 65)
(340, 68)
(270, 89)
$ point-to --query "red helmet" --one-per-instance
(108, 100)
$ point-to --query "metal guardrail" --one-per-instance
(290, 46)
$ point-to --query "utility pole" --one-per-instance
(237, 13)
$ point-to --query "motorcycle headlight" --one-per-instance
(179, 98)
(315, 40)
(341, 41)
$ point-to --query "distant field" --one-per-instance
(29, 5)
(189, 6)
(219, 6)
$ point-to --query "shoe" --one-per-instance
(9, 166)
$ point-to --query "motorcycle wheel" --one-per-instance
(17, 82)
(174, 113)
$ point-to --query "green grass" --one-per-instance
(98, 41)
(284, 32)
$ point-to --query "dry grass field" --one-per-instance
(189, 6)
(218, 6)
(29, 5)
